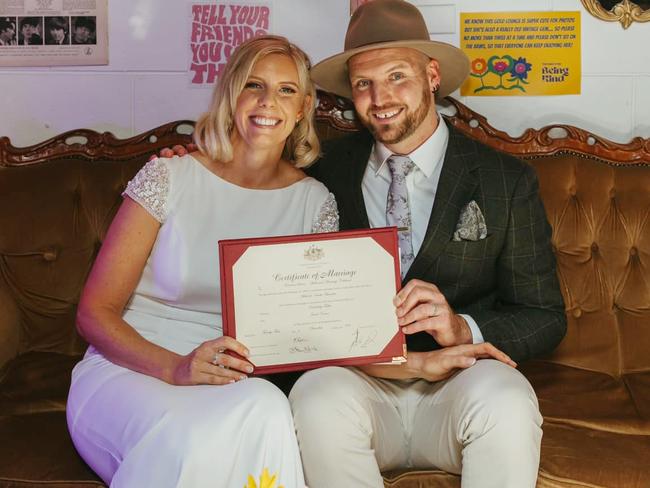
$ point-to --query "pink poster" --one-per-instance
(217, 29)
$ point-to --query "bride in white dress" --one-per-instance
(156, 402)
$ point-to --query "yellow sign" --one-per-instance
(523, 53)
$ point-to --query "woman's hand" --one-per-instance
(209, 364)
(442, 363)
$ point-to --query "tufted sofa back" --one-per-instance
(53, 218)
(600, 214)
(56, 203)
(55, 210)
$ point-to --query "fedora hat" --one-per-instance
(381, 24)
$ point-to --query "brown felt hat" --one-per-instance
(381, 24)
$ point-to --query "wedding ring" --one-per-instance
(435, 310)
(215, 359)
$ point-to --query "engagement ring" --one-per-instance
(215, 359)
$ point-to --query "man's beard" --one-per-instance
(407, 127)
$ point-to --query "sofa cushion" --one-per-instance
(578, 456)
(415, 478)
(42, 438)
(596, 426)
(591, 399)
(36, 382)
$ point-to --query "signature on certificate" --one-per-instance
(301, 346)
(302, 349)
(362, 339)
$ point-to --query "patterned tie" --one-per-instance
(397, 206)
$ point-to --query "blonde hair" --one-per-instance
(214, 128)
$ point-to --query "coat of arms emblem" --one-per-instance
(314, 253)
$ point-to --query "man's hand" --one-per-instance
(422, 307)
(440, 364)
(177, 150)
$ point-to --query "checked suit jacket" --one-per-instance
(507, 282)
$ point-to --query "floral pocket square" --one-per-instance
(471, 224)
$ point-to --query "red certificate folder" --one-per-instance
(231, 251)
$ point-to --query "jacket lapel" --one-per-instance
(354, 207)
(456, 187)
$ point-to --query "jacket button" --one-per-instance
(577, 313)
(633, 251)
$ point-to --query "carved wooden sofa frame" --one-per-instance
(594, 390)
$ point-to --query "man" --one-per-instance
(7, 32)
(477, 267)
(477, 270)
(84, 30)
(29, 31)
(56, 31)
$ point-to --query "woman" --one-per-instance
(157, 401)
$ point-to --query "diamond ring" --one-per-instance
(215, 359)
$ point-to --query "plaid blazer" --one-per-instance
(507, 282)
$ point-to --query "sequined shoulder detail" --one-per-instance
(328, 217)
(150, 187)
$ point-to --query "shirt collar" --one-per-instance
(426, 157)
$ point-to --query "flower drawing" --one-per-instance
(479, 67)
(266, 481)
(500, 66)
(521, 68)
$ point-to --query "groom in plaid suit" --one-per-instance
(480, 288)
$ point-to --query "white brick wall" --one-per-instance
(146, 85)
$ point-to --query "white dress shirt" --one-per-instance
(421, 184)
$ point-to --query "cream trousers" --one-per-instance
(483, 423)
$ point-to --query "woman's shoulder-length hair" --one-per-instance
(214, 128)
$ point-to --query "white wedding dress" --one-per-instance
(136, 431)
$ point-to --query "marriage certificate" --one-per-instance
(301, 302)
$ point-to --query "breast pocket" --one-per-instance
(464, 262)
(460, 249)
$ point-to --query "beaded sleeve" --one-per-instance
(327, 219)
(150, 187)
